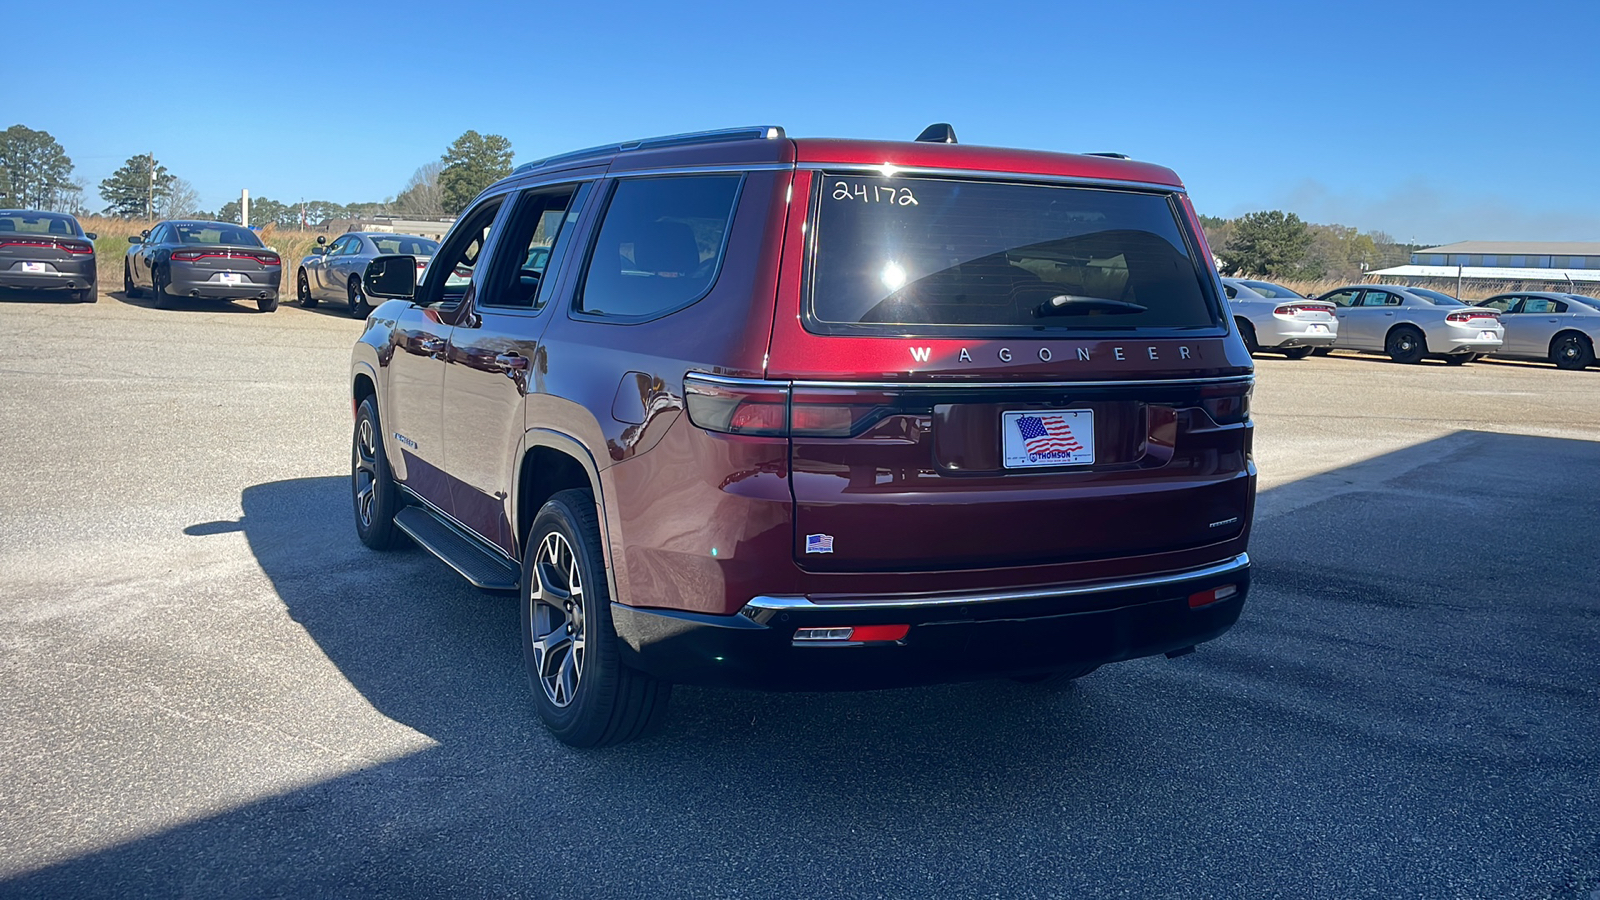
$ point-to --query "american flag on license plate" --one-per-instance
(819, 543)
(1047, 434)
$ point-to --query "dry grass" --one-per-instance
(1469, 290)
(111, 245)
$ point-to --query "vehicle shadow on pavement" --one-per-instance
(186, 304)
(1408, 706)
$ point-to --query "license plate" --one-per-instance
(1485, 335)
(1317, 329)
(231, 278)
(1047, 437)
(33, 267)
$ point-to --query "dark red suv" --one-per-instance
(741, 409)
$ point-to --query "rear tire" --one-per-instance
(158, 289)
(1322, 351)
(128, 288)
(372, 485)
(584, 694)
(359, 307)
(302, 290)
(1296, 352)
(1571, 351)
(87, 295)
(1406, 345)
(267, 304)
(1248, 332)
(1459, 359)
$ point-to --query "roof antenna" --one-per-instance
(938, 133)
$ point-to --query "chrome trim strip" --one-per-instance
(972, 385)
(702, 170)
(760, 605)
(992, 175)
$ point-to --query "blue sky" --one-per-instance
(1432, 121)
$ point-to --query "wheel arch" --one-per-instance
(553, 461)
(1579, 333)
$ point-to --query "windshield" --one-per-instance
(39, 223)
(208, 233)
(1272, 291)
(401, 243)
(962, 257)
(1435, 297)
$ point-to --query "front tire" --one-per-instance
(1406, 345)
(302, 290)
(1571, 351)
(584, 694)
(359, 307)
(128, 288)
(372, 485)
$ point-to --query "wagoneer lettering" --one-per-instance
(659, 390)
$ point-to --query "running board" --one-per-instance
(484, 568)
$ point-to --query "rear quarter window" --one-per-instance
(659, 246)
(928, 255)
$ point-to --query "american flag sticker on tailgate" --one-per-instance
(819, 543)
(1056, 437)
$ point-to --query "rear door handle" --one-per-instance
(510, 361)
(431, 345)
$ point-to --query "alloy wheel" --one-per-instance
(366, 471)
(558, 619)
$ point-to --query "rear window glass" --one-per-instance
(1591, 302)
(965, 257)
(1436, 298)
(410, 246)
(33, 223)
(659, 245)
(215, 234)
(1271, 291)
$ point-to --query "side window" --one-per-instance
(459, 258)
(1556, 306)
(536, 240)
(659, 246)
(338, 246)
(1502, 303)
(1537, 305)
(352, 246)
(1342, 298)
(1379, 298)
(1231, 291)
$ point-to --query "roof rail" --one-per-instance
(692, 138)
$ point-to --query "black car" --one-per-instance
(46, 251)
(206, 260)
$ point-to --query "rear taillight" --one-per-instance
(188, 255)
(1297, 310)
(267, 259)
(79, 247)
(774, 410)
(1227, 404)
(1467, 315)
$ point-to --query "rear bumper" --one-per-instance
(47, 281)
(951, 637)
(1279, 334)
(199, 284)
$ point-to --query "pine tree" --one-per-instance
(139, 188)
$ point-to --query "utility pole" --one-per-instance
(149, 185)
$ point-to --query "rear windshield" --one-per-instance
(216, 234)
(39, 223)
(964, 257)
(1271, 291)
(1435, 297)
(1585, 300)
(411, 246)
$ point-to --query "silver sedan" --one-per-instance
(1546, 325)
(334, 272)
(1273, 317)
(1410, 323)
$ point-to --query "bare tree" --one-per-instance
(182, 201)
(422, 195)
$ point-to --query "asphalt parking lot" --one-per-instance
(208, 687)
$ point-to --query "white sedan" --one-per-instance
(1410, 324)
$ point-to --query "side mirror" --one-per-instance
(318, 251)
(321, 239)
(91, 235)
(391, 277)
(135, 239)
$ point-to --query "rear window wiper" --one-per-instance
(1074, 305)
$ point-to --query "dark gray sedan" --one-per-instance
(203, 260)
(45, 251)
(334, 272)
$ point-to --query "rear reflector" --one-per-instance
(859, 634)
(1206, 598)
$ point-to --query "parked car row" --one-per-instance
(1410, 324)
